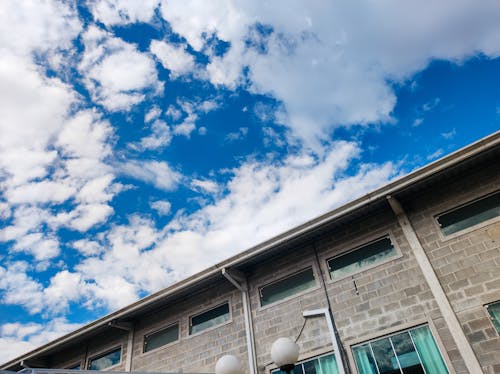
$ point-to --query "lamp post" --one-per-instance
(285, 353)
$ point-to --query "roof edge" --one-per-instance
(398, 185)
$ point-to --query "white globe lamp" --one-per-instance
(228, 364)
(285, 353)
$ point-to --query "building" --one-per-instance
(410, 273)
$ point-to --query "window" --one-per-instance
(210, 318)
(162, 337)
(106, 360)
(494, 312)
(470, 214)
(75, 367)
(325, 364)
(286, 287)
(412, 351)
(361, 257)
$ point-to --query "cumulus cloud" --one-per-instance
(173, 57)
(332, 64)
(17, 338)
(118, 12)
(162, 207)
(157, 173)
(116, 73)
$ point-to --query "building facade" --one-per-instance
(407, 278)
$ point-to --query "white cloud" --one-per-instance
(205, 185)
(237, 135)
(162, 207)
(17, 338)
(450, 134)
(116, 73)
(333, 64)
(159, 138)
(117, 12)
(31, 25)
(157, 173)
(173, 57)
(152, 114)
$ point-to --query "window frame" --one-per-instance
(358, 245)
(394, 330)
(291, 297)
(151, 332)
(72, 365)
(490, 317)
(317, 354)
(469, 229)
(229, 320)
(103, 353)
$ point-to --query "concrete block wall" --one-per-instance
(467, 263)
(284, 318)
(387, 298)
(193, 353)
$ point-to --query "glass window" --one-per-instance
(412, 351)
(162, 337)
(319, 365)
(210, 318)
(470, 214)
(494, 312)
(75, 367)
(106, 360)
(286, 287)
(361, 257)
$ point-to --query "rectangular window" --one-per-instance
(470, 214)
(286, 287)
(494, 312)
(412, 351)
(361, 257)
(106, 360)
(325, 364)
(210, 318)
(162, 337)
(75, 367)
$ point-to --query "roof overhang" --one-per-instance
(453, 163)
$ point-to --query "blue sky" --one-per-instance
(141, 142)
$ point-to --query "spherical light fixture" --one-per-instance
(228, 364)
(285, 353)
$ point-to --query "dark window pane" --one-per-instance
(106, 360)
(407, 356)
(209, 319)
(362, 257)
(286, 287)
(160, 338)
(310, 367)
(76, 367)
(470, 214)
(384, 356)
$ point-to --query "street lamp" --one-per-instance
(285, 353)
(228, 364)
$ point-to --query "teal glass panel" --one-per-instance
(326, 365)
(287, 287)
(160, 338)
(494, 311)
(407, 356)
(364, 359)
(319, 365)
(428, 350)
(210, 318)
(385, 357)
(470, 214)
(106, 360)
(364, 256)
